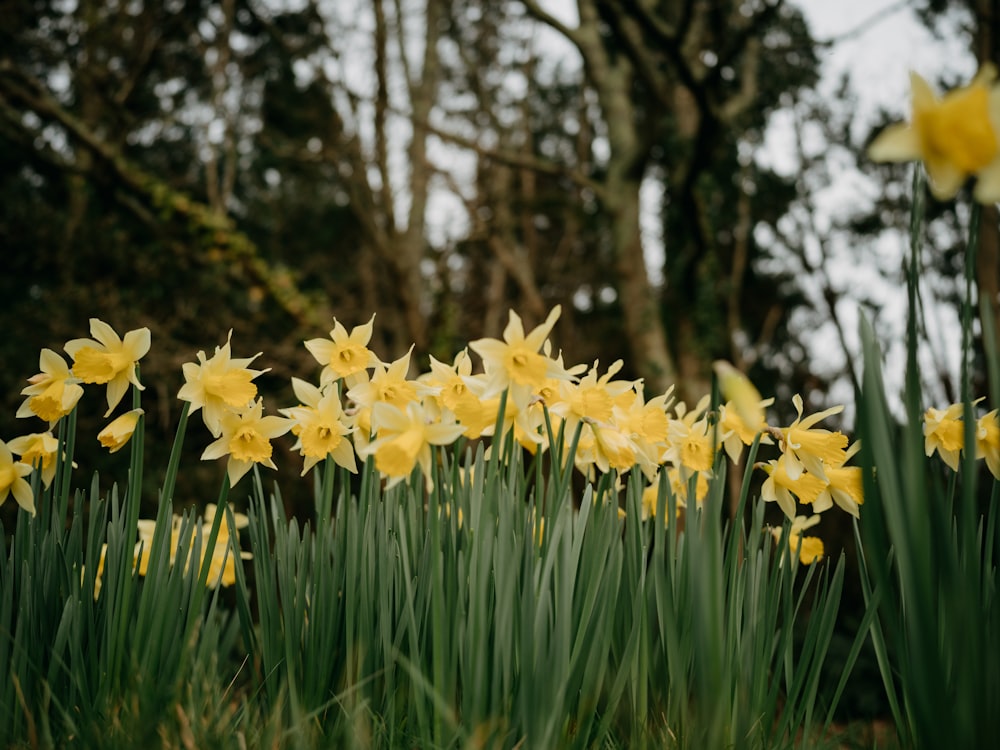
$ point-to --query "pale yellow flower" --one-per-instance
(782, 487)
(12, 480)
(246, 438)
(218, 385)
(944, 433)
(689, 439)
(344, 355)
(811, 549)
(321, 426)
(845, 488)
(53, 392)
(988, 441)
(39, 451)
(743, 397)
(955, 136)
(109, 359)
(404, 439)
(809, 448)
(517, 360)
(119, 432)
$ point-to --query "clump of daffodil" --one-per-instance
(108, 359)
(119, 432)
(222, 565)
(403, 439)
(13, 482)
(955, 136)
(218, 385)
(38, 451)
(809, 548)
(320, 426)
(246, 438)
(344, 355)
(53, 392)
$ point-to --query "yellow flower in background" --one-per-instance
(344, 354)
(12, 480)
(38, 450)
(321, 426)
(734, 433)
(53, 392)
(782, 487)
(218, 385)
(593, 397)
(404, 438)
(809, 448)
(109, 359)
(955, 136)
(811, 549)
(119, 432)
(448, 381)
(944, 433)
(246, 438)
(517, 359)
(988, 442)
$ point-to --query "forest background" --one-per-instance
(201, 166)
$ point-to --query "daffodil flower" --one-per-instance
(988, 442)
(53, 392)
(344, 355)
(218, 385)
(517, 359)
(119, 432)
(845, 486)
(955, 136)
(38, 450)
(782, 487)
(809, 548)
(809, 448)
(246, 438)
(12, 480)
(321, 426)
(944, 433)
(109, 359)
(404, 438)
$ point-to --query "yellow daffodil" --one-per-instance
(734, 433)
(109, 359)
(119, 432)
(988, 442)
(651, 497)
(646, 423)
(38, 450)
(689, 439)
(809, 548)
(12, 480)
(743, 397)
(53, 392)
(809, 448)
(321, 426)
(246, 438)
(845, 488)
(404, 439)
(944, 433)
(448, 381)
(344, 355)
(218, 385)
(593, 397)
(782, 487)
(518, 358)
(955, 136)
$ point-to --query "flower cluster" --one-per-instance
(956, 136)
(363, 407)
(944, 434)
